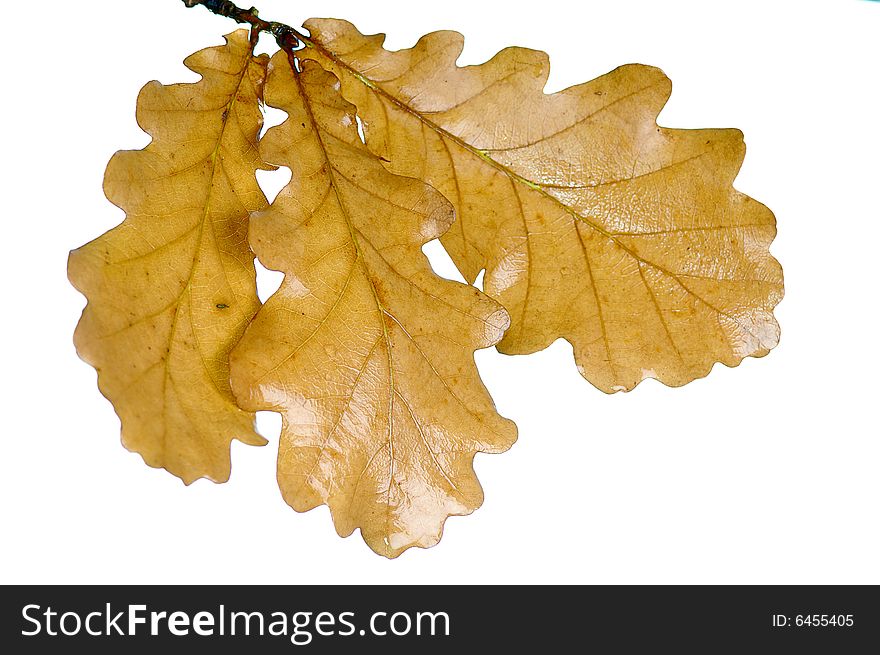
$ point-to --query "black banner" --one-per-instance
(434, 619)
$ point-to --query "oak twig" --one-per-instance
(287, 37)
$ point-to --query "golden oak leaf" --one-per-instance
(366, 353)
(171, 289)
(593, 223)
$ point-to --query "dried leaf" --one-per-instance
(172, 288)
(593, 223)
(365, 351)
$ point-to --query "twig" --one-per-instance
(287, 37)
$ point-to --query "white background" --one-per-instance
(767, 473)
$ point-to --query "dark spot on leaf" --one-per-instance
(221, 305)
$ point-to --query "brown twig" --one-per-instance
(287, 37)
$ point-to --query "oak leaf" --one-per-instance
(171, 289)
(593, 223)
(366, 353)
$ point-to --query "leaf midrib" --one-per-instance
(215, 165)
(380, 308)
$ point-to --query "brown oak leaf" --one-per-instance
(172, 288)
(593, 223)
(364, 350)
